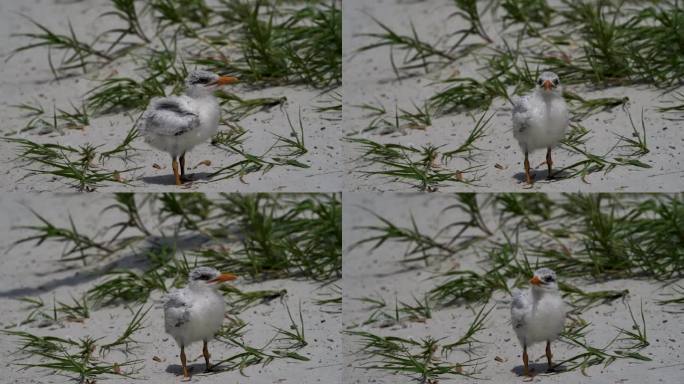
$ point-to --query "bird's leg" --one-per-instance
(528, 176)
(181, 160)
(549, 162)
(184, 363)
(525, 360)
(205, 352)
(174, 165)
(548, 354)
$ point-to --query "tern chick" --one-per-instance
(540, 119)
(176, 124)
(538, 313)
(196, 311)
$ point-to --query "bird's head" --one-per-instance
(210, 277)
(203, 83)
(544, 279)
(549, 83)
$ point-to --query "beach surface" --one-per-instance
(369, 79)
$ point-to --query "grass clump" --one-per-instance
(126, 285)
(632, 148)
(160, 69)
(295, 334)
(418, 166)
(72, 358)
(468, 339)
(240, 300)
(614, 237)
(297, 238)
(284, 152)
(126, 341)
(283, 46)
(590, 355)
(417, 359)
(76, 165)
(187, 16)
(78, 246)
(126, 12)
(421, 166)
(418, 54)
(77, 54)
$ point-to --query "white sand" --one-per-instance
(369, 78)
(36, 271)
(381, 273)
(27, 78)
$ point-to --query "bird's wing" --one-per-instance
(170, 116)
(176, 309)
(521, 113)
(519, 307)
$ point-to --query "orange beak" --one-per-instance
(535, 280)
(224, 277)
(223, 80)
(548, 85)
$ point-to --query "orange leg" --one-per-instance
(181, 160)
(549, 162)
(528, 176)
(174, 165)
(186, 375)
(548, 354)
(205, 352)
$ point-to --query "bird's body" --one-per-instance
(537, 319)
(539, 121)
(196, 312)
(541, 118)
(193, 314)
(176, 124)
(538, 313)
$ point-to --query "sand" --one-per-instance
(26, 78)
(380, 273)
(35, 271)
(369, 78)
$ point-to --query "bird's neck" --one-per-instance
(538, 294)
(201, 95)
(548, 97)
(201, 287)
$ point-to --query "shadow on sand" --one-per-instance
(128, 261)
(537, 369)
(170, 180)
(542, 176)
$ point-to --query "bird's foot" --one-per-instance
(186, 179)
(529, 178)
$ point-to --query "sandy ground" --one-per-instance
(36, 271)
(381, 274)
(27, 78)
(369, 78)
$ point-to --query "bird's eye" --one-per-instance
(539, 81)
(555, 81)
(548, 279)
(204, 277)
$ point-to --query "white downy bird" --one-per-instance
(540, 119)
(538, 313)
(176, 124)
(196, 311)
